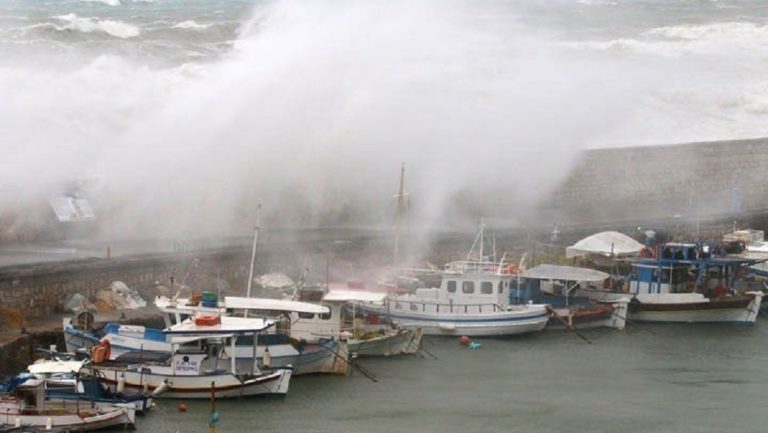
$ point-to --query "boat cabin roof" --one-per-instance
(55, 367)
(266, 304)
(354, 296)
(565, 273)
(227, 327)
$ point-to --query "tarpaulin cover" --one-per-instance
(605, 244)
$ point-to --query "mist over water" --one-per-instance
(184, 115)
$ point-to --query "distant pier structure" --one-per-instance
(693, 181)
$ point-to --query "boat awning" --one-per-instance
(266, 304)
(605, 244)
(228, 325)
(55, 367)
(566, 273)
(354, 296)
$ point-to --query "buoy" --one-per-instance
(182, 407)
(464, 340)
(215, 417)
(121, 384)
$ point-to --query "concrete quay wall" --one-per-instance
(687, 181)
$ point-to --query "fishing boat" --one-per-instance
(692, 283)
(554, 285)
(363, 338)
(308, 354)
(27, 406)
(197, 364)
(63, 383)
(472, 300)
(326, 355)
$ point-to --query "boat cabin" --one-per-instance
(554, 285)
(470, 282)
(688, 268)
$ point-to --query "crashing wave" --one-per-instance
(191, 25)
(116, 2)
(114, 28)
(106, 2)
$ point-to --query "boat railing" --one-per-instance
(449, 307)
(478, 267)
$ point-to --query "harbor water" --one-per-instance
(648, 378)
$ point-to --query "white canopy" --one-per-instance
(605, 244)
(267, 304)
(54, 367)
(567, 273)
(227, 326)
(354, 295)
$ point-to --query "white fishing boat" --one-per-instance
(308, 354)
(27, 406)
(472, 300)
(327, 355)
(197, 364)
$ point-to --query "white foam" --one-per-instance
(726, 31)
(191, 25)
(106, 2)
(118, 29)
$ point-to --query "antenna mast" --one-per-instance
(399, 214)
(253, 255)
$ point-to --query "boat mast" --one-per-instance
(253, 256)
(400, 197)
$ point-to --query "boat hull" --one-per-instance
(405, 341)
(599, 316)
(729, 310)
(98, 419)
(272, 383)
(524, 320)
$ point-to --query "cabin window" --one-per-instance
(326, 316)
(468, 286)
(486, 288)
(306, 316)
(414, 307)
(451, 286)
(501, 287)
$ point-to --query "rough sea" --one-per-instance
(160, 105)
(180, 108)
(646, 379)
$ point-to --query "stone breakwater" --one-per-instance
(689, 181)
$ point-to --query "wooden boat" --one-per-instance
(27, 406)
(690, 283)
(197, 364)
(553, 285)
(341, 322)
(63, 384)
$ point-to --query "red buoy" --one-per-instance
(464, 340)
(182, 407)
